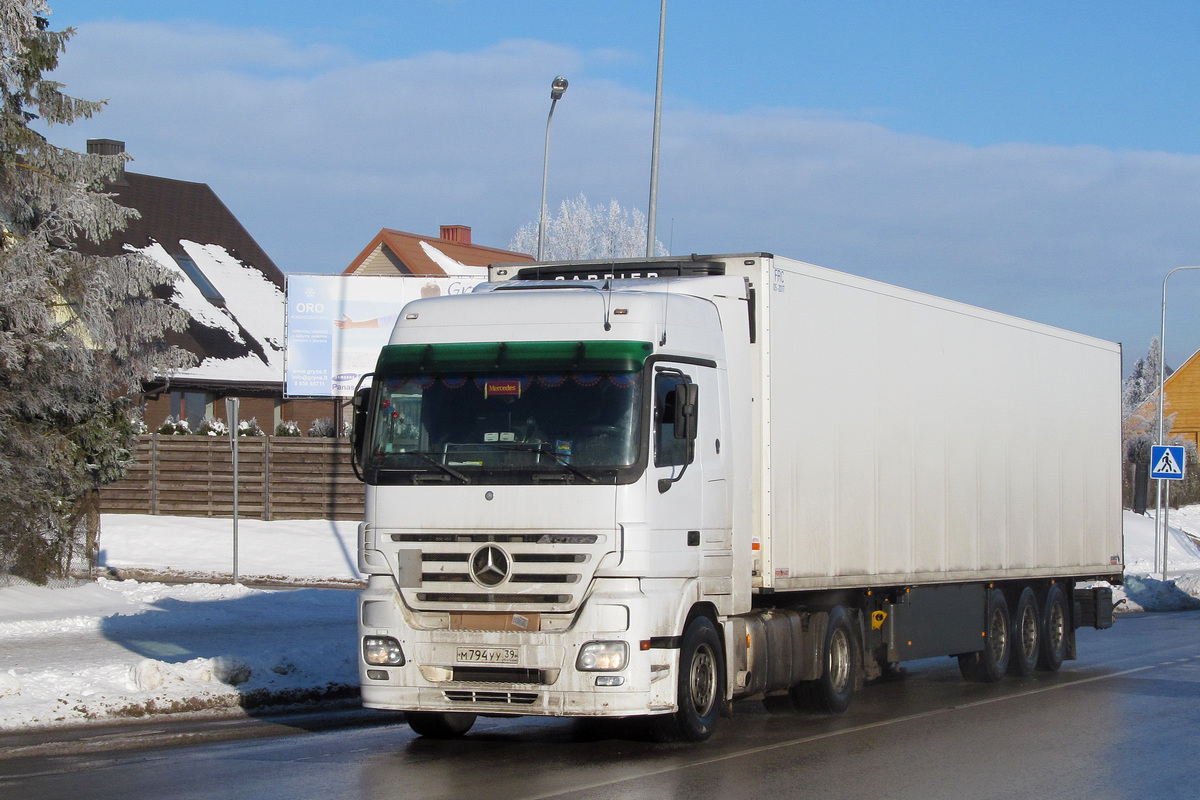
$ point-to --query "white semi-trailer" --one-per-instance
(653, 487)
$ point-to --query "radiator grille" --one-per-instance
(502, 571)
(499, 675)
(490, 696)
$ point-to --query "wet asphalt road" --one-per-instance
(1121, 722)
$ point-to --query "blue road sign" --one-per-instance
(1166, 462)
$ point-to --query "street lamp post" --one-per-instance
(557, 87)
(1162, 512)
(653, 210)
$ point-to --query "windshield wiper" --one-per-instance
(446, 468)
(558, 459)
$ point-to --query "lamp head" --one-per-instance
(557, 87)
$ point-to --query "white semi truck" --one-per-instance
(653, 487)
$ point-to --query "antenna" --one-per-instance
(666, 304)
(607, 303)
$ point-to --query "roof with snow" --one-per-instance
(229, 286)
(394, 252)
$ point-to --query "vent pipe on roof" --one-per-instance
(457, 233)
(108, 147)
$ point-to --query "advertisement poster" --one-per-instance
(336, 325)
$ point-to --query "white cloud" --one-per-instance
(315, 150)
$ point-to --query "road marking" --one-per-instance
(831, 734)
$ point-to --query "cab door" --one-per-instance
(688, 495)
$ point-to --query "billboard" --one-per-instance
(336, 325)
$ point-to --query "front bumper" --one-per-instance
(539, 676)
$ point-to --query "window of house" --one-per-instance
(198, 277)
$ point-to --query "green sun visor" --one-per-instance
(504, 356)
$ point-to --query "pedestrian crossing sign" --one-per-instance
(1166, 462)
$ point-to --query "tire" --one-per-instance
(1026, 635)
(840, 678)
(1054, 630)
(989, 664)
(439, 725)
(700, 687)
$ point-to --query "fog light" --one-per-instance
(602, 657)
(382, 651)
(377, 674)
(610, 680)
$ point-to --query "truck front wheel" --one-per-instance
(438, 725)
(700, 688)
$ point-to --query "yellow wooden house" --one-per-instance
(1182, 389)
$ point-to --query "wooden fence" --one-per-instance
(279, 477)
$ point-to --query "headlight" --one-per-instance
(382, 651)
(602, 657)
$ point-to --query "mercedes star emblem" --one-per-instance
(489, 566)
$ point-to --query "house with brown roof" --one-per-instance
(235, 295)
(232, 291)
(394, 252)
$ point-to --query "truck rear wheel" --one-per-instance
(700, 686)
(989, 664)
(439, 725)
(1054, 630)
(1027, 635)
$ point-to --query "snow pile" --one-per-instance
(124, 649)
(1144, 590)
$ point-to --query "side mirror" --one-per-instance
(686, 398)
(362, 407)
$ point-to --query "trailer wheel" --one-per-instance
(834, 690)
(1054, 630)
(438, 725)
(700, 686)
(989, 664)
(1026, 635)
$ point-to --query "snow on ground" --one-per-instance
(113, 649)
(116, 649)
(1144, 588)
(298, 552)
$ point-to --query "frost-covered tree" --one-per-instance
(1142, 381)
(78, 333)
(581, 231)
(1139, 407)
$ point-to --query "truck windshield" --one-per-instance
(507, 413)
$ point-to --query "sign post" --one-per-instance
(1167, 463)
(231, 416)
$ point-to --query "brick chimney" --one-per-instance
(108, 147)
(457, 233)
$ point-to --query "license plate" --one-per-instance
(486, 655)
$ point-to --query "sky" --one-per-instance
(1036, 158)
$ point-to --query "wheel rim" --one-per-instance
(839, 661)
(998, 635)
(1029, 631)
(703, 680)
(1055, 627)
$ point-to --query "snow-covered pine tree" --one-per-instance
(1142, 381)
(78, 333)
(581, 231)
